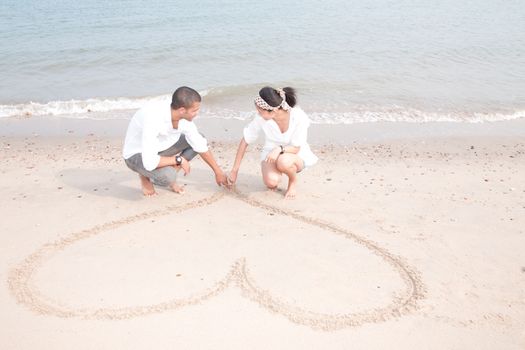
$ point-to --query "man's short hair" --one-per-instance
(184, 97)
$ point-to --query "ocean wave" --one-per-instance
(403, 114)
(111, 108)
(75, 107)
(380, 114)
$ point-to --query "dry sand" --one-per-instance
(404, 243)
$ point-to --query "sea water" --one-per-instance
(350, 60)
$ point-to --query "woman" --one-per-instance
(285, 128)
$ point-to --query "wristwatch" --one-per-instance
(178, 160)
(282, 149)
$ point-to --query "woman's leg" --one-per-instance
(270, 174)
(290, 164)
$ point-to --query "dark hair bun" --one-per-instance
(272, 97)
(291, 96)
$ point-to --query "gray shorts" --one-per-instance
(167, 175)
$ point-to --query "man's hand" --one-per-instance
(221, 179)
(185, 166)
(273, 155)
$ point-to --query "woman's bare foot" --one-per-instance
(291, 191)
(176, 188)
(147, 187)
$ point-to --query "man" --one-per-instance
(162, 139)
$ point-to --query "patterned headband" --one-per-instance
(264, 105)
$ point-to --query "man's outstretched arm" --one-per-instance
(220, 178)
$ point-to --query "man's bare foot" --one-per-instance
(147, 187)
(176, 188)
(291, 191)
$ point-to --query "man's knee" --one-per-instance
(128, 164)
(135, 164)
(164, 176)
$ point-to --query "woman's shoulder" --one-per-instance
(298, 111)
(257, 119)
(298, 114)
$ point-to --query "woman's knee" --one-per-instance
(286, 163)
(271, 180)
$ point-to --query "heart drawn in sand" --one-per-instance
(276, 289)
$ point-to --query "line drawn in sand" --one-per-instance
(26, 293)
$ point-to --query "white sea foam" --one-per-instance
(380, 114)
(411, 115)
(116, 108)
(75, 107)
(80, 107)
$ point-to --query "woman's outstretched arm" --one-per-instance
(232, 178)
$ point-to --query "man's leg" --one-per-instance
(181, 146)
(165, 176)
(147, 186)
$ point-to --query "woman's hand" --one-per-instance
(232, 177)
(273, 155)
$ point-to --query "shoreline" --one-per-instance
(230, 130)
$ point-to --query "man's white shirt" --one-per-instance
(151, 131)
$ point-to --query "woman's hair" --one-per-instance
(272, 97)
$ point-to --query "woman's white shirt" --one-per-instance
(296, 135)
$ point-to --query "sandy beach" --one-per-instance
(402, 237)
